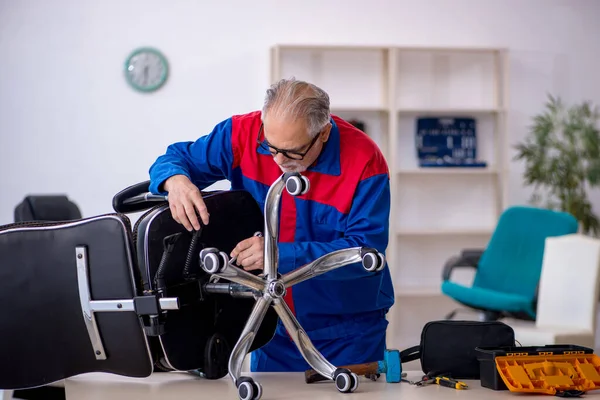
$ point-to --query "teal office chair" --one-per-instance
(508, 270)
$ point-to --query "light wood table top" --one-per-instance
(282, 386)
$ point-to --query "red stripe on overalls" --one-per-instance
(262, 168)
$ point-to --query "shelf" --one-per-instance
(449, 111)
(360, 47)
(448, 170)
(346, 109)
(321, 48)
(452, 50)
(417, 291)
(436, 211)
(446, 232)
(376, 123)
(334, 69)
(447, 80)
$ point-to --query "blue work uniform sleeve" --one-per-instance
(368, 225)
(205, 161)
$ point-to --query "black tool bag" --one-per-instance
(448, 347)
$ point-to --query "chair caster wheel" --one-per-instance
(297, 184)
(213, 260)
(372, 260)
(345, 381)
(216, 355)
(248, 389)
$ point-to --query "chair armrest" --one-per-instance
(472, 256)
(467, 258)
(136, 198)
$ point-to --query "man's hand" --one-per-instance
(185, 200)
(250, 253)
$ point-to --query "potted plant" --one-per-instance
(562, 159)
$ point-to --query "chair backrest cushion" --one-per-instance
(50, 208)
(512, 261)
(42, 325)
(234, 216)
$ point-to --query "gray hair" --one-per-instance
(293, 99)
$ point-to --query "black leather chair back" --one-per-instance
(51, 208)
(43, 328)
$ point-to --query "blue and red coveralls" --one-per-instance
(348, 204)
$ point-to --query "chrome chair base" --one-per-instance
(269, 290)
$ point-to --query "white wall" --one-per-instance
(69, 122)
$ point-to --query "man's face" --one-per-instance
(293, 138)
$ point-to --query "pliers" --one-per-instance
(439, 380)
(424, 380)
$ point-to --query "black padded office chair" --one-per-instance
(97, 295)
(46, 208)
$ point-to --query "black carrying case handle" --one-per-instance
(449, 346)
(410, 354)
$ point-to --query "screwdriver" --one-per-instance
(451, 383)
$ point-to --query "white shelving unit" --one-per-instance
(436, 212)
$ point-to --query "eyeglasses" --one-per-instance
(293, 155)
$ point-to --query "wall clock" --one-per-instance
(146, 69)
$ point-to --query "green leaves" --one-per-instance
(562, 159)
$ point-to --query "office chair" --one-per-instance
(96, 295)
(507, 271)
(46, 208)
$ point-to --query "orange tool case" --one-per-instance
(562, 370)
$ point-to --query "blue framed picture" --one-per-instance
(447, 142)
